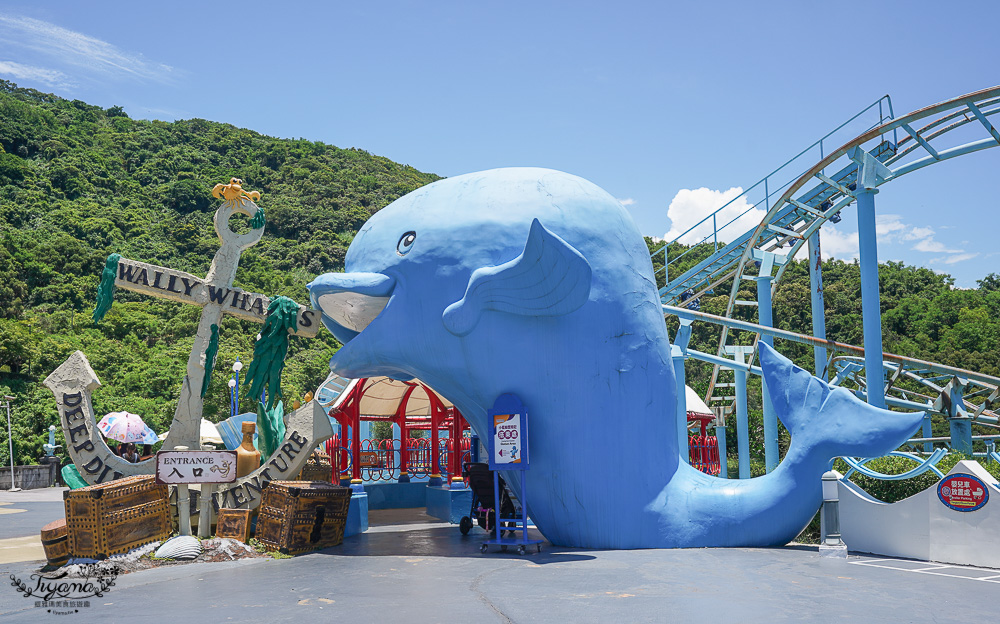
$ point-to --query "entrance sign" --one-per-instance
(963, 492)
(176, 467)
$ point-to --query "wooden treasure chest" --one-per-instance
(299, 516)
(234, 524)
(115, 517)
(317, 468)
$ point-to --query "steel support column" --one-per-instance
(765, 316)
(720, 437)
(740, 371)
(683, 448)
(871, 313)
(818, 310)
(928, 431)
(960, 429)
(742, 423)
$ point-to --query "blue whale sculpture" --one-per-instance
(537, 282)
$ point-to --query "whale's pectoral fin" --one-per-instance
(829, 419)
(549, 278)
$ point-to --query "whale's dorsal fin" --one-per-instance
(549, 278)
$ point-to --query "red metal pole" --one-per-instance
(404, 451)
(436, 407)
(457, 427)
(356, 438)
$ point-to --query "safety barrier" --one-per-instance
(704, 453)
(380, 458)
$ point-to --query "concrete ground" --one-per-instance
(409, 566)
(22, 516)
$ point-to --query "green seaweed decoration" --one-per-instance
(106, 289)
(270, 429)
(213, 348)
(269, 352)
(259, 219)
(71, 477)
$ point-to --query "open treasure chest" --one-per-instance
(299, 516)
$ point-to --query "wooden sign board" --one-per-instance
(150, 279)
(182, 467)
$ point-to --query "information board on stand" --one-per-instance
(508, 450)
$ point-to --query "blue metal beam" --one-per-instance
(829, 344)
(961, 150)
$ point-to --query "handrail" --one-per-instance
(922, 467)
(768, 193)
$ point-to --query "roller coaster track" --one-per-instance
(816, 198)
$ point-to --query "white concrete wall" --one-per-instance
(922, 527)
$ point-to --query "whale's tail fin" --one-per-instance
(831, 421)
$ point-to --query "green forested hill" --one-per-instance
(78, 182)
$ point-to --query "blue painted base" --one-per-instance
(357, 515)
(448, 504)
(396, 495)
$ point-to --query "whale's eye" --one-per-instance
(406, 243)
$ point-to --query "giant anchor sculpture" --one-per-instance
(74, 381)
(537, 282)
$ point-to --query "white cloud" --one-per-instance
(689, 206)
(888, 226)
(79, 51)
(930, 245)
(837, 244)
(918, 233)
(628, 201)
(17, 71)
(891, 229)
(960, 257)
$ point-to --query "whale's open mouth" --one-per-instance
(350, 301)
(351, 310)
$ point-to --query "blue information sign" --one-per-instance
(508, 439)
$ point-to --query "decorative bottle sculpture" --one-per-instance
(247, 457)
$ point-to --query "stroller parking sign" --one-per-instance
(509, 439)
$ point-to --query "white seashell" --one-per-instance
(180, 547)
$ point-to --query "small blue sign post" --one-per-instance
(508, 450)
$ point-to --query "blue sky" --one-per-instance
(667, 105)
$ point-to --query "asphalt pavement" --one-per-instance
(22, 516)
(409, 568)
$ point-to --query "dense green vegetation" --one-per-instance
(78, 182)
